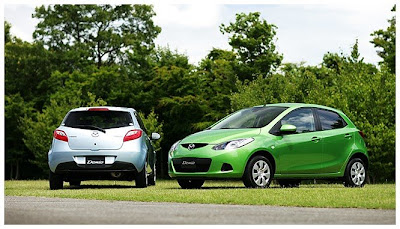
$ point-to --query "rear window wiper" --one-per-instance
(90, 127)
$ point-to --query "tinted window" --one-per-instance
(102, 119)
(255, 117)
(303, 119)
(330, 120)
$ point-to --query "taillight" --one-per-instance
(362, 134)
(132, 135)
(60, 135)
(98, 109)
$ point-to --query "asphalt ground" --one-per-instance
(43, 210)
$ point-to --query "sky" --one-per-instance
(305, 32)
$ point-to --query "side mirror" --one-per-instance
(155, 136)
(288, 129)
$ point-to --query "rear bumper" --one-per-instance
(117, 171)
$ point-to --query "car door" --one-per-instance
(337, 140)
(300, 152)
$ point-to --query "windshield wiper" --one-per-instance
(90, 127)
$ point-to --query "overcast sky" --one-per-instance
(304, 33)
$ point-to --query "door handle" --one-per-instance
(347, 136)
(315, 139)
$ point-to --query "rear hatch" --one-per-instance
(97, 130)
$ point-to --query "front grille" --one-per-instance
(191, 164)
(191, 146)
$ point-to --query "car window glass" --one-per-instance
(330, 120)
(101, 119)
(303, 119)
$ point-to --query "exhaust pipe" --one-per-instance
(116, 174)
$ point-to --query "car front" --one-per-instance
(222, 150)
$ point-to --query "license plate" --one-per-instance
(95, 161)
(189, 164)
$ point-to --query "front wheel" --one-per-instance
(152, 177)
(258, 173)
(190, 184)
(355, 173)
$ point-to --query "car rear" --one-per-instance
(103, 143)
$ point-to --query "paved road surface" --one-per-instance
(41, 210)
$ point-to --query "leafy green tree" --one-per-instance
(252, 38)
(15, 151)
(101, 34)
(385, 40)
(7, 34)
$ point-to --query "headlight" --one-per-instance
(233, 144)
(173, 147)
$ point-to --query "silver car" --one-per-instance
(102, 143)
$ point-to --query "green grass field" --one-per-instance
(378, 196)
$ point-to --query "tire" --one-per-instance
(289, 183)
(141, 178)
(355, 174)
(55, 181)
(256, 177)
(75, 183)
(152, 177)
(190, 184)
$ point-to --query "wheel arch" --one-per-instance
(360, 155)
(266, 154)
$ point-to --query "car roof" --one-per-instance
(298, 105)
(108, 107)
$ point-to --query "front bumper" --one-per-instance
(218, 163)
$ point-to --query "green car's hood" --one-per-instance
(221, 135)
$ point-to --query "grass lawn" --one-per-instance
(378, 196)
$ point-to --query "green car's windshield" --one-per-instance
(255, 117)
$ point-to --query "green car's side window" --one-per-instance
(330, 120)
(302, 118)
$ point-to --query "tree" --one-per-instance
(101, 34)
(7, 34)
(252, 38)
(385, 40)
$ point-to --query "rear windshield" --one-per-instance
(100, 119)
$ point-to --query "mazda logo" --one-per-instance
(95, 133)
(191, 146)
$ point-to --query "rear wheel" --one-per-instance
(258, 173)
(190, 184)
(55, 180)
(355, 174)
(141, 178)
(75, 183)
(289, 183)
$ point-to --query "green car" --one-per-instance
(288, 142)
